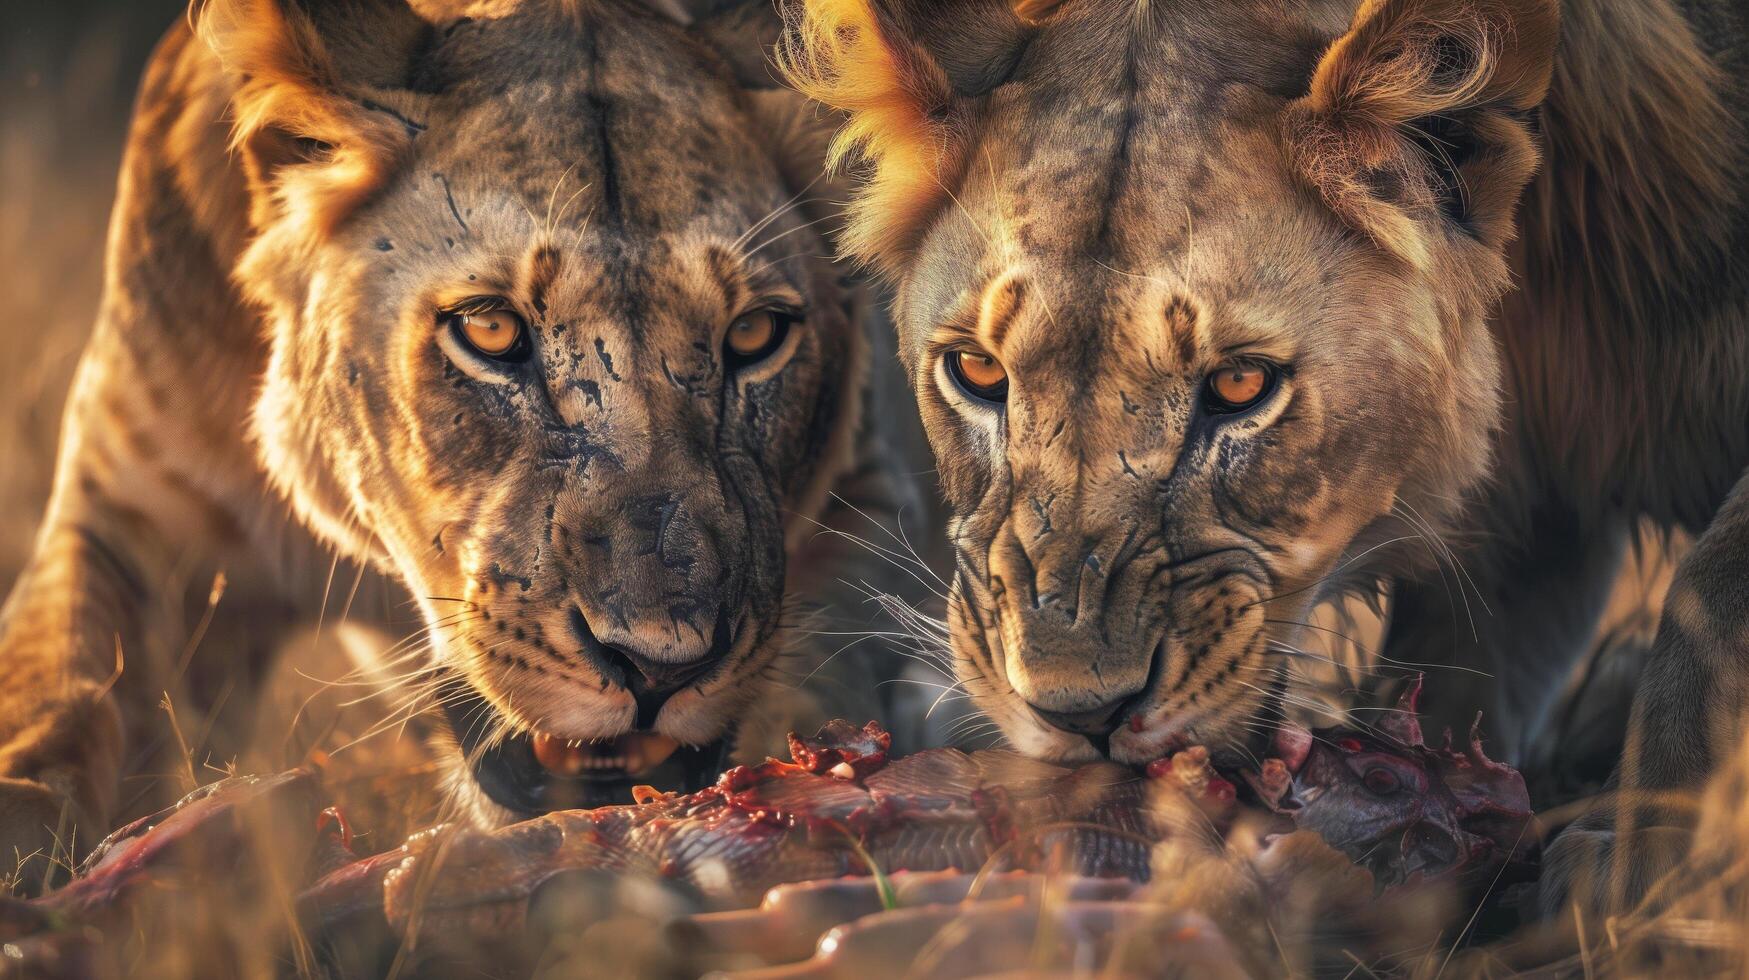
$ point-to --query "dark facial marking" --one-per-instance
(606, 359)
(454, 211)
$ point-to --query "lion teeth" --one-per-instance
(557, 757)
(631, 753)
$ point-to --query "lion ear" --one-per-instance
(310, 116)
(904, 73)
(1420, 114)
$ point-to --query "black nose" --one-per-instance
(651, 681)
(1094, 722)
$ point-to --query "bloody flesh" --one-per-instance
(1402, 811)
(1405, 812)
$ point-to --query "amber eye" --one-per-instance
(494, 333)
(755, 336)
(978, 374)
(1238, 386)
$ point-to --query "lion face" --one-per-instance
(1187, 436)
(1188, 319)
(571, 370)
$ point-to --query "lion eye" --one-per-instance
(494, 333)
(978, 374)
(755, 336)
(1236, 387)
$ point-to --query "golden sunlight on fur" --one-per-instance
(287, 111)
(308, 192)
(840, 57)
(1034, 11)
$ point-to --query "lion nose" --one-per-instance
(651, 680)
(656, 675)
(1093, 722)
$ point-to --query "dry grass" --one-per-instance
(67, 76)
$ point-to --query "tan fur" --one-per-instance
(1385, 74)
(1333, 189)
(275, 399)
(290, 92)
(1002, 299)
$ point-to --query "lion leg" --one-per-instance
(1687, 718)
(61, 730)
(156, 485)
(79, 618)
(100, 626)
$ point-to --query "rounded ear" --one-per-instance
(314, 135)
(905, 74)
(1420, 114)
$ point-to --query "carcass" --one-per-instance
(1377, 807)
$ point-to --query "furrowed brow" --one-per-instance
(539, 271)
(1228, 336)
(745, 280)
(998, 308)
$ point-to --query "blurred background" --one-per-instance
(68, 69)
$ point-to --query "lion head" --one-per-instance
(554, 340)
(1193, 297)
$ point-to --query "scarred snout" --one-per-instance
(658, 603)
(611, 639)
(1122, 640)
(1079, 626)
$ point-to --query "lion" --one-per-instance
(1214, 311)
(526, 308)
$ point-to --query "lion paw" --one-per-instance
(1602, 870)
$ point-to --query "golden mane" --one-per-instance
(837, 54)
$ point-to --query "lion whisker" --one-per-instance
(775, 213)
(1331, 574)
(780, 236)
